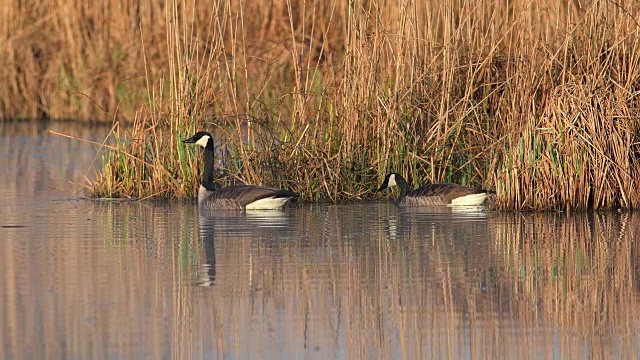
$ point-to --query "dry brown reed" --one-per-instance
(537, 99)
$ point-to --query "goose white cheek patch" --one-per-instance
(392, 181)
(203, 141)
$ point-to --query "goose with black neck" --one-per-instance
(236, 197)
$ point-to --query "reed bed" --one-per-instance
(535, 99)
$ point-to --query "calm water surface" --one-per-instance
(132, 280)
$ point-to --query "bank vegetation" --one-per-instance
(535, 99)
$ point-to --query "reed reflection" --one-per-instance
(571, 276)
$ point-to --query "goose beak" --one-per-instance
(190, 140)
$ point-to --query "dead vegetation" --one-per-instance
(538, 100)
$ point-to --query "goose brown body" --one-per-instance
(445, 194)
(240, 197)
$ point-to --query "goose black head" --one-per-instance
(201, 138)
(389, 181)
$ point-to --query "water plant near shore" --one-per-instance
(538, 100)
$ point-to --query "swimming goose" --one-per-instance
(434, 194)
(237, 197)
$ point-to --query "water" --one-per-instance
(130, 280)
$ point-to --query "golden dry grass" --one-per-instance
(536, 99)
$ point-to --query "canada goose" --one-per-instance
(434, 194)
(237, 197)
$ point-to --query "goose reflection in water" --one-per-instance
(207, 271)
(228, 225)
(400, 220)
